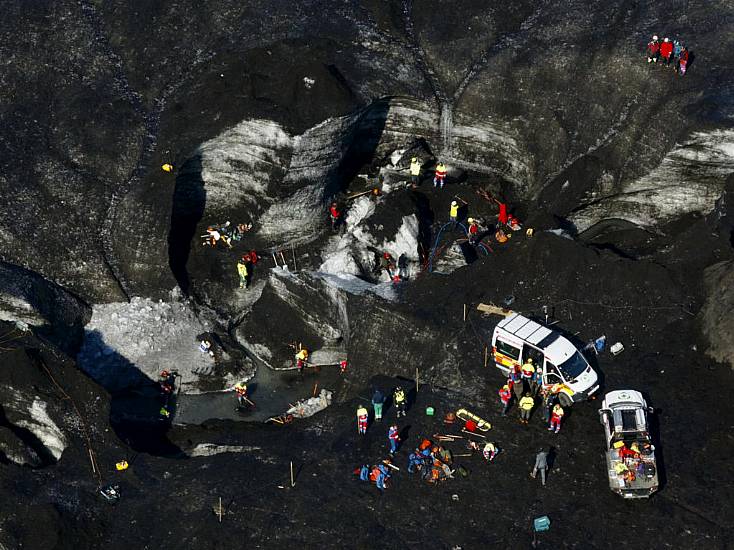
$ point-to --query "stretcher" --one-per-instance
(482, 424)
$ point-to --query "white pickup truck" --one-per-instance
(630, 454)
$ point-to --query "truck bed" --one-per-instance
(638, 488)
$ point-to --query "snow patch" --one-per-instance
(45, 429)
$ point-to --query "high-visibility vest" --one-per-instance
(302, 355)
(242, 269)
(441, 171)
(527, 403)
(454, 211)
(415, 168)
(399, 396)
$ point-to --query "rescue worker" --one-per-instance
(502, 216)
(167, 381)
(240, 231)
(415, 461)
(500, 236)
(515, 382)
(473, 231)
(212, 237)
(683, 61)
(400, 401)
(382, 474)
(335, 216)
(205, 346)
(241, 390)
(527, 371)
(536, 382)
(343, 366)
(541, 465)
(454, 212)
(653, 50)
(387, 264)
(505, 398)
(526, 406)
(666, 51)
(490, 451)
(378, 399)
(415, 171)
(556, 418)
(362, 418)
(301, 359)
(440, 175)
(242, 272)
(548, 401)
(393, 436)
(164, 413)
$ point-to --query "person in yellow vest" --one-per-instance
(301, 358)
(454, 212)
(440, 176)
(242, 272)
(526, 406)
(415, 171)
(399, 400)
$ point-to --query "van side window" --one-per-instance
(506, 349)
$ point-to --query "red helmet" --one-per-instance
(246, 257)
(164, 373)
(386, 255)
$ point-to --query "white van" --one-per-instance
(565, 369)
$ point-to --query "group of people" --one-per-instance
(670, 52)
(432, 461)
(439, 173)
(525, 385)
(225, 233)
(166, 385)
(387, 263)
(630, 463)
(245, 267)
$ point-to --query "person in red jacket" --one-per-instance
(440, 177)
(473, 230)
(335, 216)
(683, 61)
(505, 394)
(653, 50)
(666, 51)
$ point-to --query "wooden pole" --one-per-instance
(416, 380)
(275, 260)
(293, 251)
(293, 481)
(485, 356)
(220, 510)
(315, 386)
(91, 459)
(282, 257)
(464, 312)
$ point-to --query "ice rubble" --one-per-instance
(309, 407)
(353, 253)
(128, 341)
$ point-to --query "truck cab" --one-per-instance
(630, 454)
(565, 371)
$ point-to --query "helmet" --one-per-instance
(333, 204)
(505, 387)
(414, 159)
(453, 203)
(470, 220)
(655, 37)
(666, 39)
(164, 373)
(386, 255)
(530, 360)
(398, 388)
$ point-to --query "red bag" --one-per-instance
(471, 426)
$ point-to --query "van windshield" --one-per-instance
(572, 367)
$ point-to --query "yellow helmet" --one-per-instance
(470, 220)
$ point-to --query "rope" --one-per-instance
(83, 424)
(438, 239)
